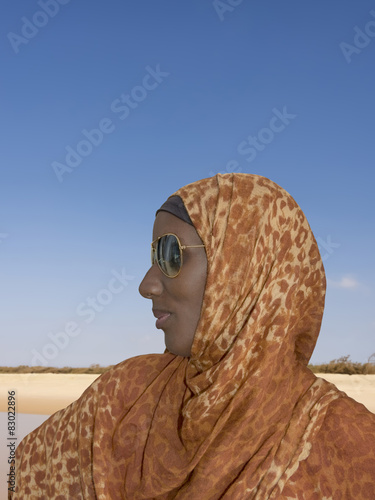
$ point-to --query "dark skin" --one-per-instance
(177, 301)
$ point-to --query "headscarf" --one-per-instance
(242, 417)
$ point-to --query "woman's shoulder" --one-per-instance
(67, 435)
(342, 455)
(132, 375)
(120, 385)
(350, 427)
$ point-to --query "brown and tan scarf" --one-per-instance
(243, 417)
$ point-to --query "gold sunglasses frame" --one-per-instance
(154, 259)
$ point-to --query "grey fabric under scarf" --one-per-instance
(175, 206)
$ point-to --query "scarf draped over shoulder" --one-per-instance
(243, 417)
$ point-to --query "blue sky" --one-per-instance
(109, 107)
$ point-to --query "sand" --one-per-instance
(43, 394)
(359, 387)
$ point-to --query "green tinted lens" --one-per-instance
(168, 255)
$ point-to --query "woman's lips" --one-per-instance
(162, 317)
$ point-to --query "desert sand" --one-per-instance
(43, 394)
(359, 387)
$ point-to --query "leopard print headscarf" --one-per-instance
(239, 418)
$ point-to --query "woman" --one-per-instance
(230, 410)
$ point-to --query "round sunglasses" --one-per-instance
(166, 252)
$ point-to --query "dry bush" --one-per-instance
(346, 366)
(340, 365)
(93, 369)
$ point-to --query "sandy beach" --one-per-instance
(43, 394)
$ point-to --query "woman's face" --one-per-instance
(177, 302)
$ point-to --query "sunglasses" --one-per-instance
(166, 252)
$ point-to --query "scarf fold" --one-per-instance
(237, 418)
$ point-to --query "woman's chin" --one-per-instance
(176, 349)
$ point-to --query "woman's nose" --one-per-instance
(152, 284)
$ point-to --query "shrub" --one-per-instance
(346, 366)
(93, 369)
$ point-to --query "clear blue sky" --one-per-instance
(179, 90)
